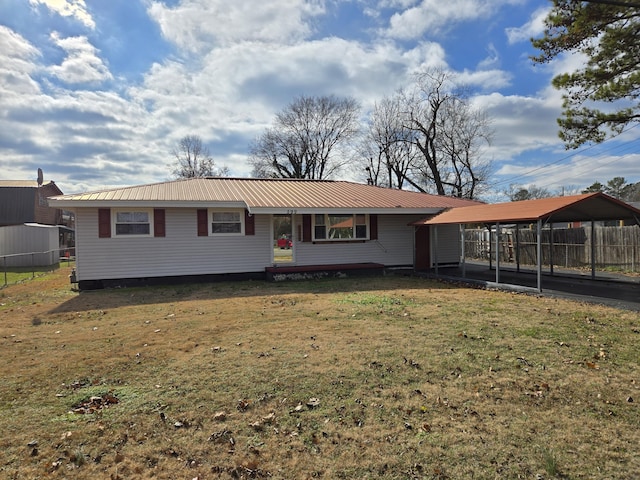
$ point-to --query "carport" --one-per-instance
(543, 212)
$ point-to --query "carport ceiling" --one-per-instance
(575, 208)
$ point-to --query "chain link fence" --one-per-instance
(18, 267)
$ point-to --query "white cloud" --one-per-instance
(434, 16)
(82, 64)
(196, 25)
(68, 8)
(259, 79)
(533, 28)
(235, 65)
(17, 63)
(521, 123)
(484, 79)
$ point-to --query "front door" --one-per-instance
(422, 249)
(282, 239)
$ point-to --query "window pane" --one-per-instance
(226, 217)
(132, 229)
(361, 220)
(320, 232)
(124, 217)
(341, 226)
(341, 221)
(141, 217)
(361, 231)
(132, 217)
(319, 219)
(226, 228)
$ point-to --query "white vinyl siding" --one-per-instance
(448, 244)
(180, 252)
(394, 246)
(183, 252)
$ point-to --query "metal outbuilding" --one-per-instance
(590, 207)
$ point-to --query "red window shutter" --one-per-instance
(203, 223)
(104, 223)
(158, 222)
(249, 223)
(306, 228)
(373, 227)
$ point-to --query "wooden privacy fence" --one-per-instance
(615, 247)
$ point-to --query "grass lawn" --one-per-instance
(11, 275)
(380, 378)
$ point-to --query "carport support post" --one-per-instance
(435, 247)
(488, 227)
(462, 250)
(593, 250)
(497, 252)
(551, 248)
(539, 254)
(517, 247)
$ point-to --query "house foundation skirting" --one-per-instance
(274, 274)
(174, 280)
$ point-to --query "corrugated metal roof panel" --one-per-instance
(271, 193)
(586, 207)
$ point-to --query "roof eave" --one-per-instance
(350, 210)
(143, 204)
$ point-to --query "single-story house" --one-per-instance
(203, 227)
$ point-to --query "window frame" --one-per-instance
(326, 226)
(212, 211)
(115, 222)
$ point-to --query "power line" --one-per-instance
(617, 3)
(566, 157)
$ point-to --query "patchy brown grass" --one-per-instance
(392, 377)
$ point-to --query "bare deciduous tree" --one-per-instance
(306, 138)
(192, 159)
(449, 134)
(465, 131)
(388, 146)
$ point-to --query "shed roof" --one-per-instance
(587, 207)
(267, 196)
(23, 183)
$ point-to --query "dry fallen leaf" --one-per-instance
(268, 418)
(313, 402)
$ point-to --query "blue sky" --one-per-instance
(98, 93)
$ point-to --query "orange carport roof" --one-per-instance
(586, 207)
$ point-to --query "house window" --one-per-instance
(133, 222)
(340, 227)
(227, 223)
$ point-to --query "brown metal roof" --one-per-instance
(267, 195)
(586, 207)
